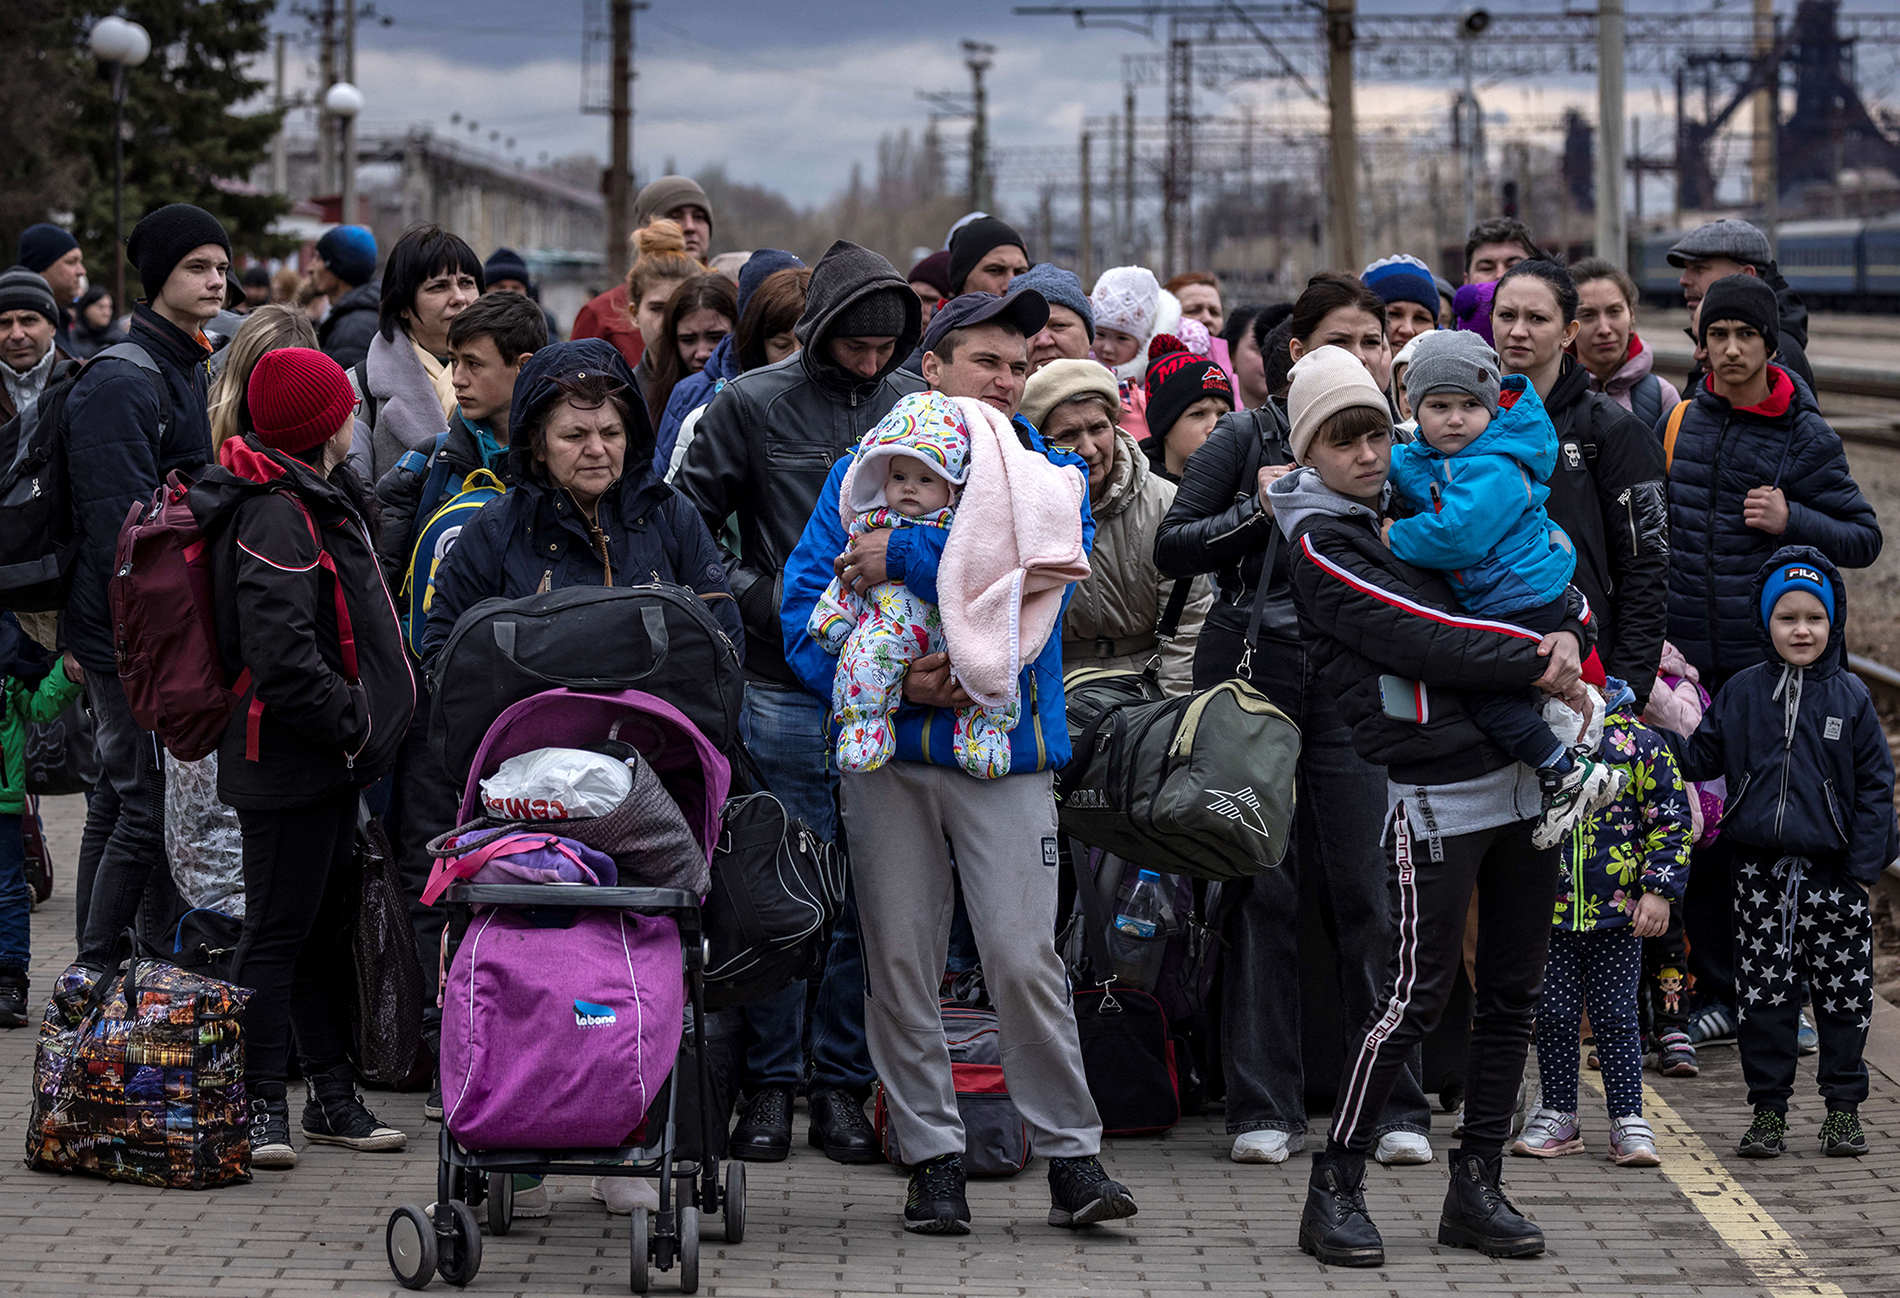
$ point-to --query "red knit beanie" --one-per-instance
(299, 398)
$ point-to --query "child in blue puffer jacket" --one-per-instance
(1810, 819)
(1476, 481)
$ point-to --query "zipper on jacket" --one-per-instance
(1715, 479)
(1576, 883)
(1627, 501)
(1035, 722)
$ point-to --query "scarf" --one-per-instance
(440, 375)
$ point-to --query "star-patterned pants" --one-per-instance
(1790, 926)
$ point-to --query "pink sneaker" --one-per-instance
(1633, 1143)
(1550, 1134)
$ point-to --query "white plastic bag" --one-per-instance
(1569, 726)
(203, 838)
(556, 784)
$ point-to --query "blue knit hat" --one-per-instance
(1058, 288)
(1791, 577)
(1402, 279)
(759, 267)
(41, 245)
(349, 253)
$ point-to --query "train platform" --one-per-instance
(1705, 1224)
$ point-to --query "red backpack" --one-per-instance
(165, 628)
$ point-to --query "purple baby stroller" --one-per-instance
(447, 1241)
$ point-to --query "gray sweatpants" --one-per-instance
(903, 820)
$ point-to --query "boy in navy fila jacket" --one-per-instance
(1810, 814)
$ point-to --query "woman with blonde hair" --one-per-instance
(660, 267)
(277, 324)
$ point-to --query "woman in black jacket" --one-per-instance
(324, 692)
(1387, 642)
(1221, 522)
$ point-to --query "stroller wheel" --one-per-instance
(461, 1253)
(638, 1279)
(501, 1203)
(735, 1203)
(689, 1250)
(409, 1239)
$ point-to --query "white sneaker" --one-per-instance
(622, 1194)
(1267, 1146)
(1403, 1149)
(1588, 786)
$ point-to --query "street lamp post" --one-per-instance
(120, 44)
(344, 101)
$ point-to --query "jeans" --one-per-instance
(16, 902)
(296, 957)
(786, 732)
(124, 841)
(1341, 809)
(1432, 882)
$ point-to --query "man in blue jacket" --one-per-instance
(127, 426)
(906, 818)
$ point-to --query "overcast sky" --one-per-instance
(789, 95)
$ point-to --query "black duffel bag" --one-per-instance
(60, 756)
(776, 888)
(659, 638)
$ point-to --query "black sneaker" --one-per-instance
(764, 1134)
(1080, 1193)
(1478, 1215)
(13, 1009)
(1335, 1226)
(432, 1107)
(1675, 1056)
(1841, 1136)
(1767, 1135)
(270, 1127)
(935, 1204)
(334, 1114)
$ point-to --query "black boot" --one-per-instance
(270, 1126)
(13, 1009)
(764, 1134)
(839, 1127)
(1335, 1226)
(1477, 1215)
(335, 1114)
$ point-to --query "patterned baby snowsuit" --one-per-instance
(877, 636)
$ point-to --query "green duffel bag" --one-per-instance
(1199, 785)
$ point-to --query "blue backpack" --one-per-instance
(434, 539)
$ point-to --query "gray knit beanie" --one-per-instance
(1448, 360)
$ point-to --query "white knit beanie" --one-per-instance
(1125, 300)
(1326, 381)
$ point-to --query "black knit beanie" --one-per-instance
(1746, 298)
(968, 246)
(166, 237)
(878, 314)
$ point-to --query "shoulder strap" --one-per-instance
(131, 351)
(1670, 433)
(1245, 668)
(345, 630)
(1170, 624)
(434, 484)
(1095, 913)
(360, 374)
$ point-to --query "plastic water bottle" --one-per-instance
(1137, 936)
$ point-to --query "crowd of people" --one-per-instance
(1564, 642)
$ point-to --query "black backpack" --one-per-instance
(37, 541)
(597, 639)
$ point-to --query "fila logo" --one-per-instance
(1798, 573)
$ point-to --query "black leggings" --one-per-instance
(296, 960)
(1431, 883)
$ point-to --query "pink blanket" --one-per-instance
(1015, 546)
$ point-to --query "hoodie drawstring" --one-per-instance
(1790, 870)
(1788, 690)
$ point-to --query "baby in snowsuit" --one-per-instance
(907, 474)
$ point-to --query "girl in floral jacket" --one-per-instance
(1623, 866)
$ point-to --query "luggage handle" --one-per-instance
(658, 643)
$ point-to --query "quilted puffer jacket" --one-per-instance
(1721, 454)
(1112, 615)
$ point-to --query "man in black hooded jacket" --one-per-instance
(761, 455)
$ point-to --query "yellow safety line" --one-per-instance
(1778, 1263)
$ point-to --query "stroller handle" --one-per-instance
(648, 901)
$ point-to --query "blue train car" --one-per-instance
(1880, 259)
(1821, 260)
(1654, 275)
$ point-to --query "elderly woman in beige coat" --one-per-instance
(1112, 616)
